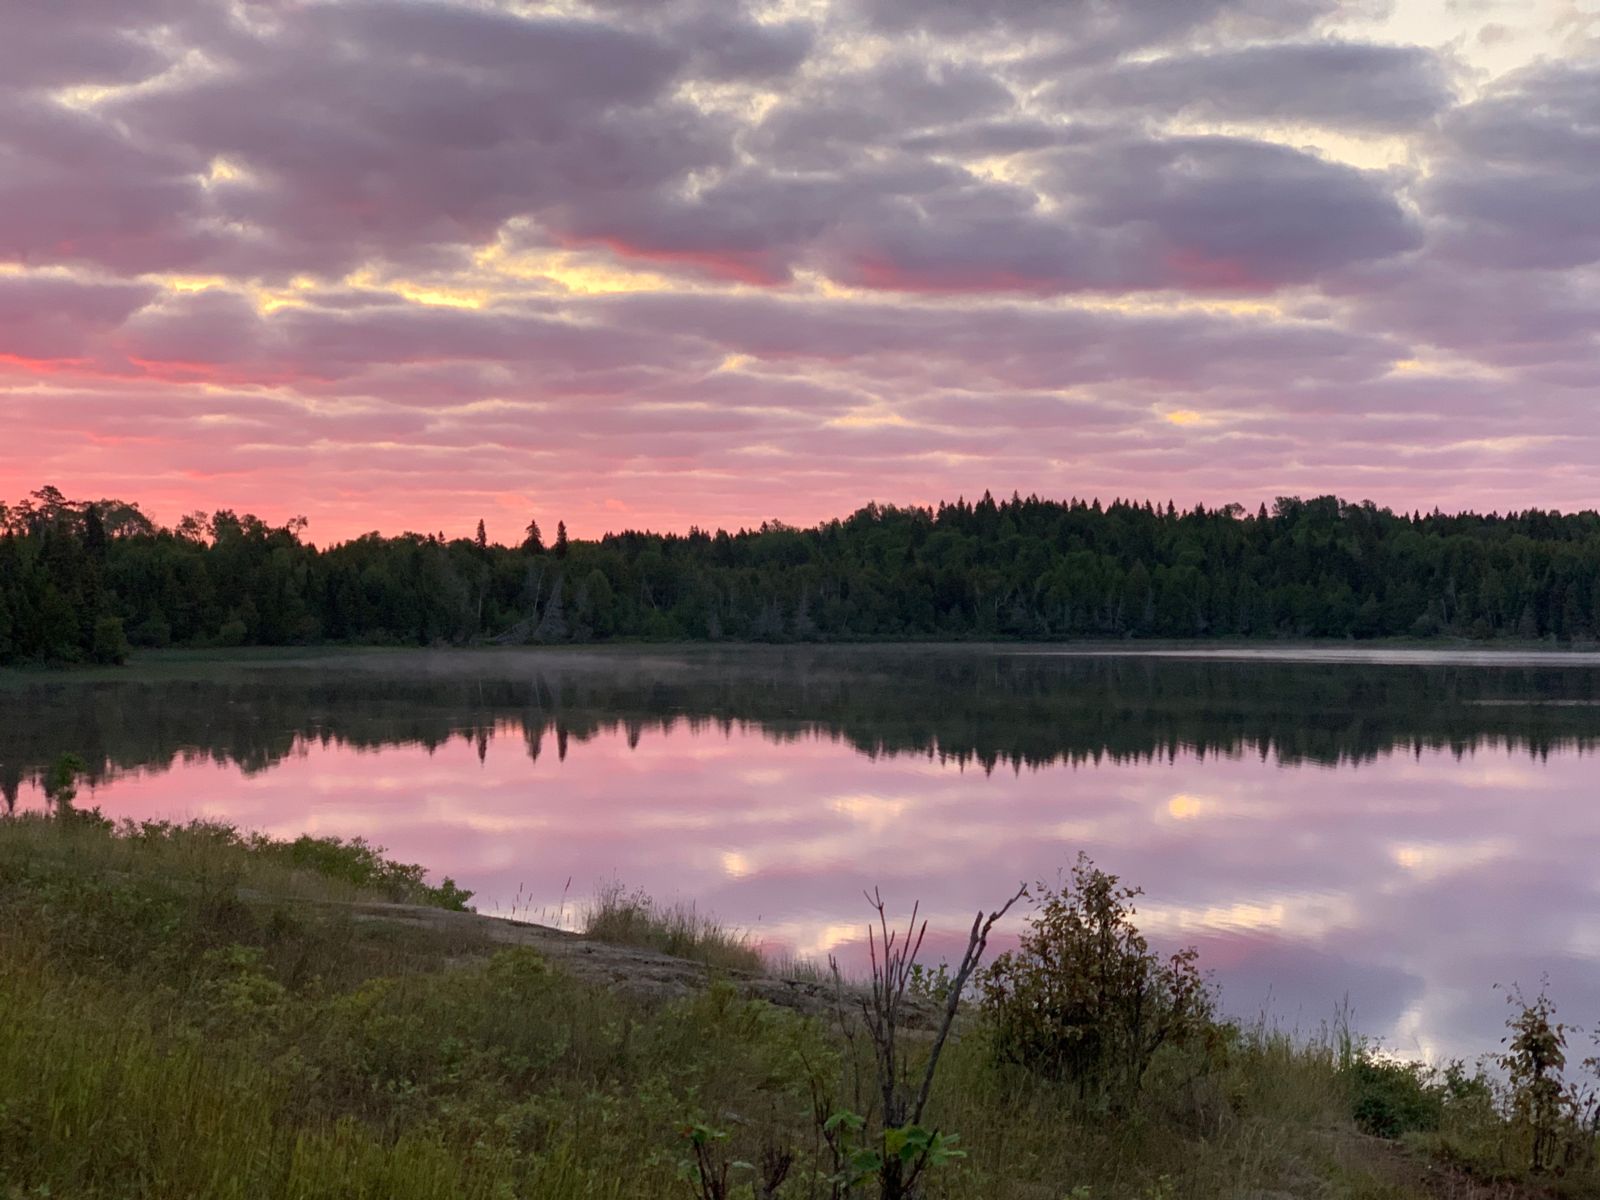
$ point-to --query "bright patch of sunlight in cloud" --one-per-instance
(583, 274)
(869, 418)
(194, 283)
(223, 170)
(1428, 860)
(875, 812)
(1184, 807)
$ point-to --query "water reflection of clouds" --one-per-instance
(1408, 884)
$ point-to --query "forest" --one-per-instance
(84, 581)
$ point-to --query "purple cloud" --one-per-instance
(1340, 84)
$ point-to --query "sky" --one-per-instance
(652, 263)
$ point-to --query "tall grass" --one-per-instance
(103, 1099)
(634, 918)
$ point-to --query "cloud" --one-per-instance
(353, 131)
(46, 317)
(1011, 346)
(1333, 83)
(1537, 325)
(1126, 212)
(1510, 184)
(313, 344)
(75, 188)
(1119, 211)
(94, 42)
(1099, 29)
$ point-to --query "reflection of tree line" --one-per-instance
(964, 708)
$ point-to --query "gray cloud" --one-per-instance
(1515, 179)
(1340, 84)
(838, 115)
(48, 317)
(92, 42)
(1096, 29)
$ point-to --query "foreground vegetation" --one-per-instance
(80, 580)
(191, 1011)
(637, 919)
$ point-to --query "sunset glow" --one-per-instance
(653, 263)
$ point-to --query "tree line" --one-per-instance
(81, 581)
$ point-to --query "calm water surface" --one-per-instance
(1405, 829)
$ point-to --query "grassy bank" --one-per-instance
(191, 1012)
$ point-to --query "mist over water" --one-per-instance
(1404, 830)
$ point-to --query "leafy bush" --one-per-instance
(363, 865)
(110, 644)
(61, 780)
(1389, 1098)
(1544, 1110)
(1084, 999)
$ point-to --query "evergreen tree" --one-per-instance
(76, 585)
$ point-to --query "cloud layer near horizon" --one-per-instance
(400, 265)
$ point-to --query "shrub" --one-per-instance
(110, 644)
(1389, 1098)
(60, 781)
(154, 631)
(363, 865)
(1542, 1106)
(212, 853)
(1084, 999)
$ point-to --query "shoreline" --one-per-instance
(1371, 652)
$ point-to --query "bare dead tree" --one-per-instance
(883, 1010)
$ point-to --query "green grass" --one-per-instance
(187, 1011)
(216, 854)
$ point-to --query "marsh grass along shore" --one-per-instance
(191, 1011)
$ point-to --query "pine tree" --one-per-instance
(561, 539)
(483, 536)
(533, 543)
(94, 533)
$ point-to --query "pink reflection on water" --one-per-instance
(1411, 883)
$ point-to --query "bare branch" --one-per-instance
(977, 942)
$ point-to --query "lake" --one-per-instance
(1400, 829)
